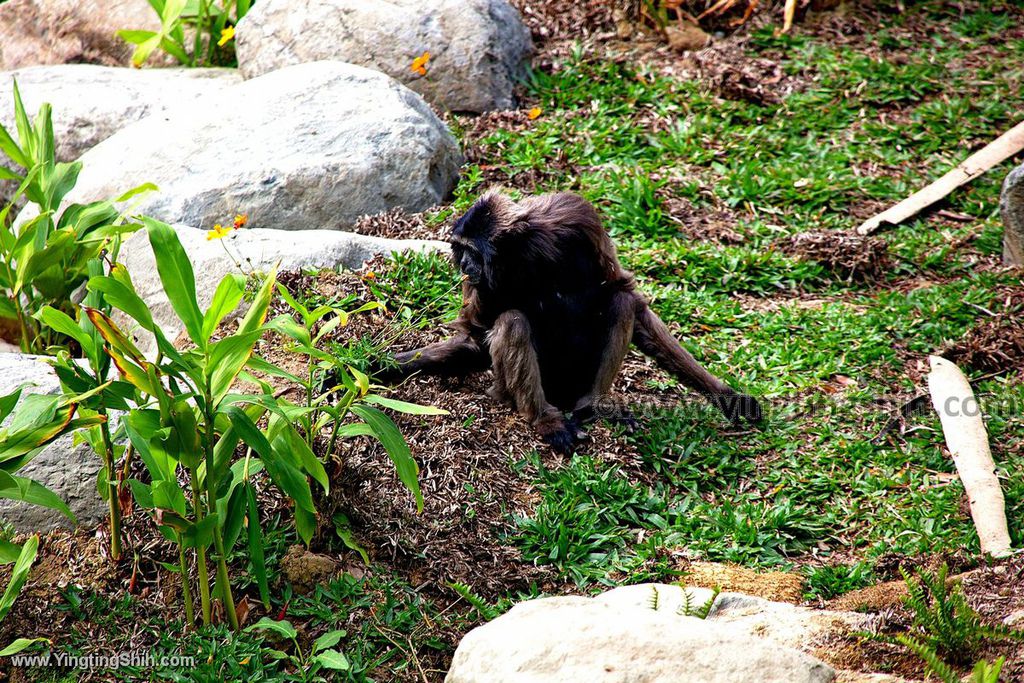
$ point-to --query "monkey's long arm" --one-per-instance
(653, 337)
(460, 355)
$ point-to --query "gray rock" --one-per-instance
(799, 627)
(578, 640)
(255, 250)
(34, 32)
(478, 48)
(310, 146)
(66, 469)
(91, 103)
(1011, 206)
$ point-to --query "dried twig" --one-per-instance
(997, 151)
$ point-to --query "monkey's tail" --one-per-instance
(653, 337)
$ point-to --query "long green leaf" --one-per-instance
(19, 575)
(403, 407)
(257, 313)
(177, 277)
(31, 491)
(20, 644)
(285, 476)
(225, 299)
(256, 555)
(62, 322)
(397, 449)
(227, 358)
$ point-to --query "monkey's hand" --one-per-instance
(739, 408)
(556, 432)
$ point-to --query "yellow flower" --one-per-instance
(419, 65)
(218, 232)
(226, 35)
(241, 219)
(533, 113)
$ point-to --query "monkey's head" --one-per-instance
(472, 238)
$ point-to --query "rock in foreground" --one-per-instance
(579, 640)
(478, 48)
(308, 147)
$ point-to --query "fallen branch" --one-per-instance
(997, 151)
(967, 441)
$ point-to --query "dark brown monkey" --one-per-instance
(549, 309)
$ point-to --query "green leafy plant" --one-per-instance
(189, 419)
(945, 630)
(983, 672)
(944, 621)
(38, 420)
(88, 378)
(691, 609)
(46, 259)
(486, 610)
(334, 389)
(322, 655)
(194, 32)
(22, 556)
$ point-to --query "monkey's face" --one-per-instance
(473, 249)
(469, 262)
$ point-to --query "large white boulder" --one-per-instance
(579, 640)
(67, 469)
(478, 48)
(249, 251)
(90, 103)
(312, 146)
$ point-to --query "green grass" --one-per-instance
(627, 139)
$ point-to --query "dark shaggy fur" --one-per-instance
(549, 309)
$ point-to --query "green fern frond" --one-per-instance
(487, 611)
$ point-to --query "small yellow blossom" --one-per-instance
(226, 35)
(241, 219)
(370, 275)
(533, 113)
(419, 65)
(218, 232)
(244, 661)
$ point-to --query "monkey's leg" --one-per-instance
(621, 314)
(517, 376)
(453, 357)
(653, 337)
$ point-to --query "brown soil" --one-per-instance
(470, 488)
(996, 345)
(400, 225)
(847, 256)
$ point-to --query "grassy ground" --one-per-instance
(871, 120)
(702, 188)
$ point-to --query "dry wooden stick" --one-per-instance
(967, 441)
(788, 13)
(997, 151)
